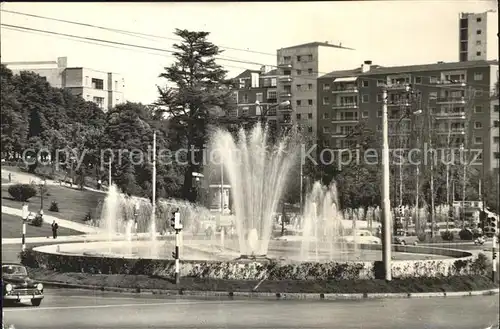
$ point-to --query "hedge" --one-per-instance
(254, 270)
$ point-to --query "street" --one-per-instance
(63, 308)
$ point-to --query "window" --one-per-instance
(298, 116)
(379, 98)
(326, 100)
(299, 87)
(464, 22)
(497, 155)
(379, 127)
(299, 102)
(478, 109)
(478, 32)
(245, 98)
(478, 125)
(478, 42)
(433, 95)
(99, 101)
(244, 111)
(380, 83)
(310, 129)
(287, 72)
(496, 139)
(298, 58)
(326, 129)
(116, 85)
(309, 86)
(478, 140)
(433, 79)
(364, 114)
(309, 116)
(463, 57)
(478, 53)
(379, 113)
(365, 98)
(326, 86)
(325, 116)
(310, 58)
(495, 124)
(97, 84)
(272, 94)
(366, 83)
(259, 97)
(478, 76)
(310, 101)
(418, 79)
(309, 71)
(273, 82)
(495, 108)
(478, 19)
(299, 72)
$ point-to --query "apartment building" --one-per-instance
(298, 69)
(106, 89)
(459, 103)
(478, 36)
(255, 95)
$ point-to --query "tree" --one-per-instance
(200, 95)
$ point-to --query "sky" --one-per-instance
(402, 32)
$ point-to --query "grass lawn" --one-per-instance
(12, 228)
(413, 285)
(73, 204)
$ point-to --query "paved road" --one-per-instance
(74, 309)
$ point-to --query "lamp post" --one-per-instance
(386, 205)
(42, 185)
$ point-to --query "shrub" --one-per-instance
(37, 221)
(465, 234)
(447, 236)
(422, 237)
(22, 192)
(54, 207)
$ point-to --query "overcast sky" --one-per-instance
(386, 32)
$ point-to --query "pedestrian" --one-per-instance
(10, 177)
(54, 229)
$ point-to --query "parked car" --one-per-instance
(18, 287)
(404, 238)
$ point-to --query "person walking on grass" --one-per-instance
(54, 229)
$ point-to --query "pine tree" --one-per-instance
(200, 96)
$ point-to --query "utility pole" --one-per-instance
(386, 205)
(153, 210)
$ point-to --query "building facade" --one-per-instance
(298, 69)
(478, 36)
(458, 104)
(106, 89)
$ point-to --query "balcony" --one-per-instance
(398, 103)
(345, 120)
(450, 100)
(271, 113)
(448, 116)
(339, 134)
(345, 106)
(449, 83)
(346, 90)
(397, 86)
(453, 131)
(286, 93)
(285, 78)
(285, 109)
(285, 65)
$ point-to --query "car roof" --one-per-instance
(12, 264)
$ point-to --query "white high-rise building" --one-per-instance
(478, 36)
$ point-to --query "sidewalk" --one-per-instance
(61, 222)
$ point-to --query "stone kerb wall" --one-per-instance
(48, 257)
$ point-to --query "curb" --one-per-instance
(248, 294)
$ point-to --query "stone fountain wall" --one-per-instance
(48, 257)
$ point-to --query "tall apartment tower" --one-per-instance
(298, 69)
(478, 36)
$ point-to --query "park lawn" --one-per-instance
(12, 228)
(74, 204)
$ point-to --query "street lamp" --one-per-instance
(42, 185)
(263, 114)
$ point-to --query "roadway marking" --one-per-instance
(113, 305)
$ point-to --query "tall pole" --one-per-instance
(386, 202)
(301, 184)
(432, 173)
(153, 212)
